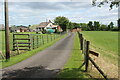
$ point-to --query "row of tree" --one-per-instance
(91, 26)
(96, 26)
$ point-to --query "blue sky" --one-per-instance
(28, 13)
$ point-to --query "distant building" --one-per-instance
(43, 26)
(76, 29)
(19, 29)
(2, 27)
(48, 25)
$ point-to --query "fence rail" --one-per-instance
(86, 51)
(32, 41)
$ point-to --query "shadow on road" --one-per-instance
(40, 73)
(30, 73)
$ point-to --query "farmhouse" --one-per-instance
(48, 25)
(43, 26)
(19, 29)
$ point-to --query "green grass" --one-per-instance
(106, 43)
(18, 58)
(71, 68)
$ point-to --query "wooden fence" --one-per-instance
(31, 41)
(86, 51)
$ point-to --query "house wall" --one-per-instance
(17, 30)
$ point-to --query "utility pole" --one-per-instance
(7, 30)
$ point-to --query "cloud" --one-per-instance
(35, 12)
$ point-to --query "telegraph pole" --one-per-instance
(7, 30)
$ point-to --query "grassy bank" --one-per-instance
(15, 59)
(71, 68)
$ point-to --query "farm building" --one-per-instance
(2, 27)
(43, 26)
(76, 29)
(19, 29)
(48, 25)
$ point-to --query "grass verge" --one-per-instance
(71, 68)
(15, 59)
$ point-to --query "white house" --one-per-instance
(44, 26)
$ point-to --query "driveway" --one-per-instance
(45, 64)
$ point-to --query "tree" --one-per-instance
(90, 25)
(62, 21)
(84, 26)
(70, 25)
(96, 25)
(103, 27)
(76, 25)
(111, 25)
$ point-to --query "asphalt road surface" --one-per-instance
(45, 64)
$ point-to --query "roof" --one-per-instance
(43, 24)
(18, 28)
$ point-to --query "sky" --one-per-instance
(29, 12)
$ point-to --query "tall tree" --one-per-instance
(111, 25)
(103, 27)
(90, 25)
(62, 21)
(70, 25)
(96, 25)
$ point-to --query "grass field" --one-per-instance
(105, 42)
(71, 68)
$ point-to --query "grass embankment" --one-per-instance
(18, 58)
(71, 68)
(104, 42)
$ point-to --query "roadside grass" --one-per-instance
(104, 42)
(71, 68)
(18, 58)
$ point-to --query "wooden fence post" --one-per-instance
(29, 42)
(87, 56)
(54, 36)
(37, 42)
(47, 38)
(33, 43)
(43, 39)
(13, 42)
(51, 37)
(81, 41)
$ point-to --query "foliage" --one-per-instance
(84, 26)
(90, 25)
(112, 3)
(76, 25)
(62, 21)
(103, 27)
(70, 25)
(33, 26)
(96, 26)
